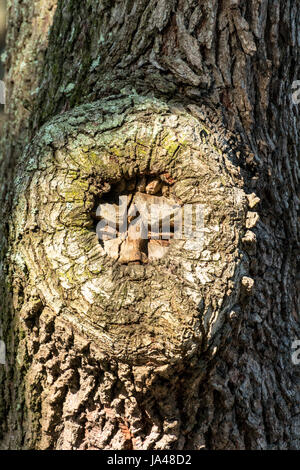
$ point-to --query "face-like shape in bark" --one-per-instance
(160, 310)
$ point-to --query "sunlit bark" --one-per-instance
(193, 350)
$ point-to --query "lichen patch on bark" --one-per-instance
(159, 313)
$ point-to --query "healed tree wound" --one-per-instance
(168, 353)
(176, 302)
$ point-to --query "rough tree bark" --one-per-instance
(192, 351)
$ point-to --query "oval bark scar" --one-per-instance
(146, 313)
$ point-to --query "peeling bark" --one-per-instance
(193, 350)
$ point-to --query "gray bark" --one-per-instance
(192, 351)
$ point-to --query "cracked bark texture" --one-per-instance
(192, 351)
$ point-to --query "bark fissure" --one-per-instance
(193, 350)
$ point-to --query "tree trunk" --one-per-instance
(193, 350)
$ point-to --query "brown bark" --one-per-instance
(193, 350)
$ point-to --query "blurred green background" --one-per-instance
(2, 42)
